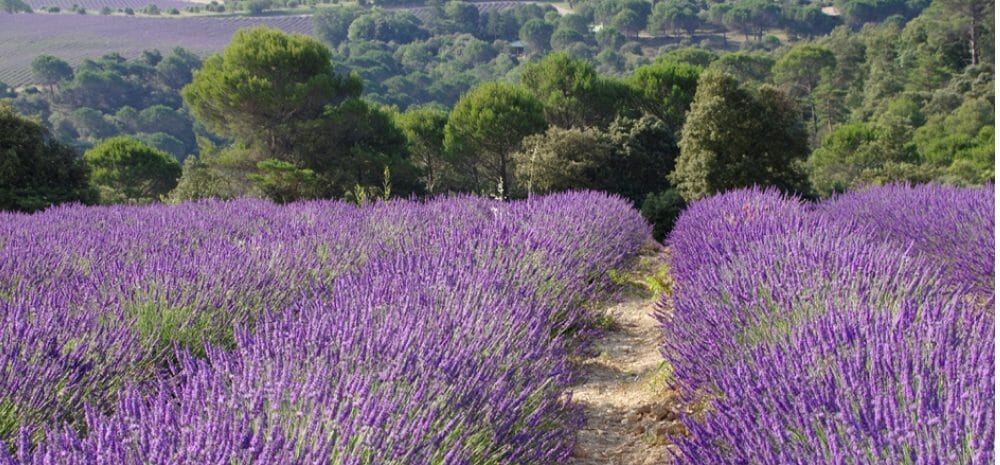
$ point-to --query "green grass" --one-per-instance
(187, 326)
(606, 322)
(657, 380)
(648, 277)
(10, 422)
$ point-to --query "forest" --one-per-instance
(660, 103)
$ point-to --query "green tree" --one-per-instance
(125, 169)
(628, 16)
(562, 159)
(99, 88)
(210, 174)
(359, 141)
(50, 71)
(808, 20)
(150, 57)
(176, 69)
(837, 165)
(752, 17)
(645, 155)
(800, 71)
(161, 118)
(265, 88)
(693, 56)
(464, 17)
(332, 24)
(801, 68)
(35, 170)
(859, 154)
(565, 38)
(964, 136)
(500, 25)
(718, 16)
(91, 124)
(675, 15)
(486, 127)
(575, 22)
(256, 7)
(424, 129)
(14, 6)
(735, 137)
(572, 93)
(975, 14)
(629, 22)
(667, 89)
(537, 34)
(380, 25)
(610, 38)
(198, 181)
(662, 210)
(284, 182)
(167, 143)
(745, 66)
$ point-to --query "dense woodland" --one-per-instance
(661, 103)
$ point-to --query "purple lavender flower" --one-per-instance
(856, 331)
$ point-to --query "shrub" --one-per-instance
(662, 209)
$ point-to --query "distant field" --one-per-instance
(94, 6)
(75, 37)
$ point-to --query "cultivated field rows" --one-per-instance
(75, 37)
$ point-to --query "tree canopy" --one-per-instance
(737, 137)
(486, 128)
(424, 130)
(35, 170)
(264, 87)
(572, 93)
(50, 70)
(15, 6)
(125, 169)
(563, 159)
(667, 89)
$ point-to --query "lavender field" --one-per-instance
(74, 37)
(856, 331)
(94, 6)
(318, 332)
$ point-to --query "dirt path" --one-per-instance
(630, 416)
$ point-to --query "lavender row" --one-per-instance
(951, 224)
(849, 332)
(244, 332)
(95, 6)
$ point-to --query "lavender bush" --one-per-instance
(946, 222)
(318, 332)
(858, 331)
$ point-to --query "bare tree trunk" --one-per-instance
(815, 121)
(974, 41)
(504, 182)
(430, 176)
